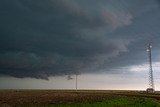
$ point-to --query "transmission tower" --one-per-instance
(151, 82)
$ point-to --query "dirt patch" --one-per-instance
(14, 98)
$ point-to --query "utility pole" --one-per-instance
(76, 81)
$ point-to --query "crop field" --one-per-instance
(80, 98)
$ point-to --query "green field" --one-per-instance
(80, 98)
(116, 102)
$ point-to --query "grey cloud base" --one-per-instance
(41, 38)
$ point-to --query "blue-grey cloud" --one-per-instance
(56, 37)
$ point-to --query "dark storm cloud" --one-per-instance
(56, 37)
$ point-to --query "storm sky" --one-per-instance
(44, 39)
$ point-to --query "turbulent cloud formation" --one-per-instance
(56, 37)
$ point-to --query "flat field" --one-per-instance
(80, 98)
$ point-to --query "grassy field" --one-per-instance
(80, 98)
(120, 101)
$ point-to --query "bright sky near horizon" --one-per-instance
(44, 43)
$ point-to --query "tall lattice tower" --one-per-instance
(151, 81)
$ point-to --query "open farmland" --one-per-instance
(14, 98)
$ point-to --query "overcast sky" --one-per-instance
(47, 40)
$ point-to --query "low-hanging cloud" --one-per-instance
(40, 38)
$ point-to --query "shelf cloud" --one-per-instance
(41, 38)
